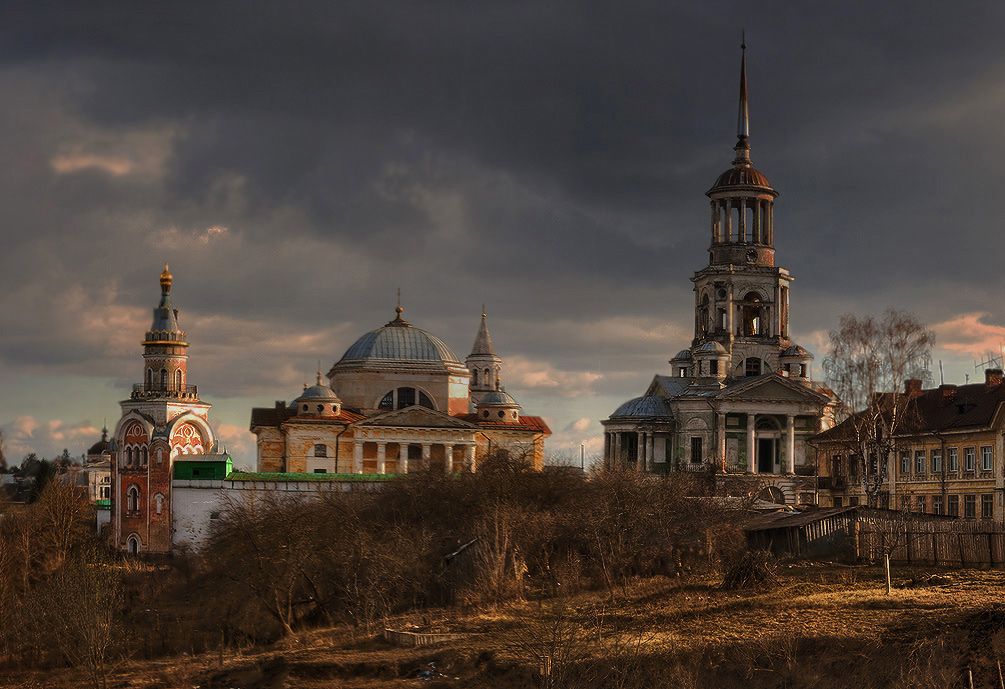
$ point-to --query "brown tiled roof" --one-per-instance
(945, 408)
(273, 416)
(526, 423)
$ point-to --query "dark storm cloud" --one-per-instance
(298, 162)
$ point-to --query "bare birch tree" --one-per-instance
(869, 362)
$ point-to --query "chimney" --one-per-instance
(912, 388)
(948, 394)
(992, 377)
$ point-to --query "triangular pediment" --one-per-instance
(416, 417)
(772, 387)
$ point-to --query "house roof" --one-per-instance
(526, 423)
(945, 408)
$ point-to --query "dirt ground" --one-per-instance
(824, 625)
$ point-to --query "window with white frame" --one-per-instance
(919, 461)
(969, 458)
(954, 459)
(987, 506)
(970, 506)
(905, 462)
(936, 461)
(986, 458)
(936, 504)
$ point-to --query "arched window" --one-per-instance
(159, 503)
(405, 397)
(486, 380)
(150, 378)
(753, 324)
(133, 545)
(164, 379)
(703, 316)
(320, 450)
(752, 366)
(474, 377)
(129, 456)
(132, 500)
(177, 379)
(143, 456)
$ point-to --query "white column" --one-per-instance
(469, 457)
(448, 459)
(751, 466)
(403, 457)
(381, 458)
(357, 459)
(640, 450)
(790, 444)
(425, 455)
(617, 448)
(649, 451)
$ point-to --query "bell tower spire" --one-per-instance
(742, 148)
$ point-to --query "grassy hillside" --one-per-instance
(822, 626)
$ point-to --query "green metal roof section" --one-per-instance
(103, 504)
(202, 469)
(323, 478)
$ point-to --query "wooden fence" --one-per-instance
(960, 543)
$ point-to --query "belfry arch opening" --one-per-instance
(752, 315)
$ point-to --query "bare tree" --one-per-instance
(869, 362)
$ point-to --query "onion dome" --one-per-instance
(165, 324)
(648, 407)
(400, 346)
(102, 445)
(682, 355)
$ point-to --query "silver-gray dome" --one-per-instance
(711, 347)
(400, 345)
(318, 392)
(648, 406)
(683, 355)
(498, 398)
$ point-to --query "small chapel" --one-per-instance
(739, 400)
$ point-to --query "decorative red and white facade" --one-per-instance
(162, 419)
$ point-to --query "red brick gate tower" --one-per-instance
(162, 418)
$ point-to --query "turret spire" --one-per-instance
(742, 148)
(483, 343)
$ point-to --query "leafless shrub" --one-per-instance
(756, 569)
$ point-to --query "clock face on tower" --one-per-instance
(751, 255)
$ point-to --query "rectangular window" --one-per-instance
(905, 463)
(919, 461)
(696, 450)
(953, 505)
(936, 504)
(919, 505)
(986, 458)
(970, 506)
(320, 471)
(969, 458)
(954, 459)
(838, 501)
(936, 461)
(987, 506)
(853, 502)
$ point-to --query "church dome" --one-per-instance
(741, 176)
(797, 352)
(711, 347)
(318, 392)
(648, 406)
(101, 446)
(683, 355)
(498, 398)
(398, 345)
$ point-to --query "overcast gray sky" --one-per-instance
(297, 162)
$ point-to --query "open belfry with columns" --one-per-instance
(739, 402)
(397, 400)
(162, 422)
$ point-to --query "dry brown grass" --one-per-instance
(824, 626)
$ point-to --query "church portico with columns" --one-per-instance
(739, 403)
